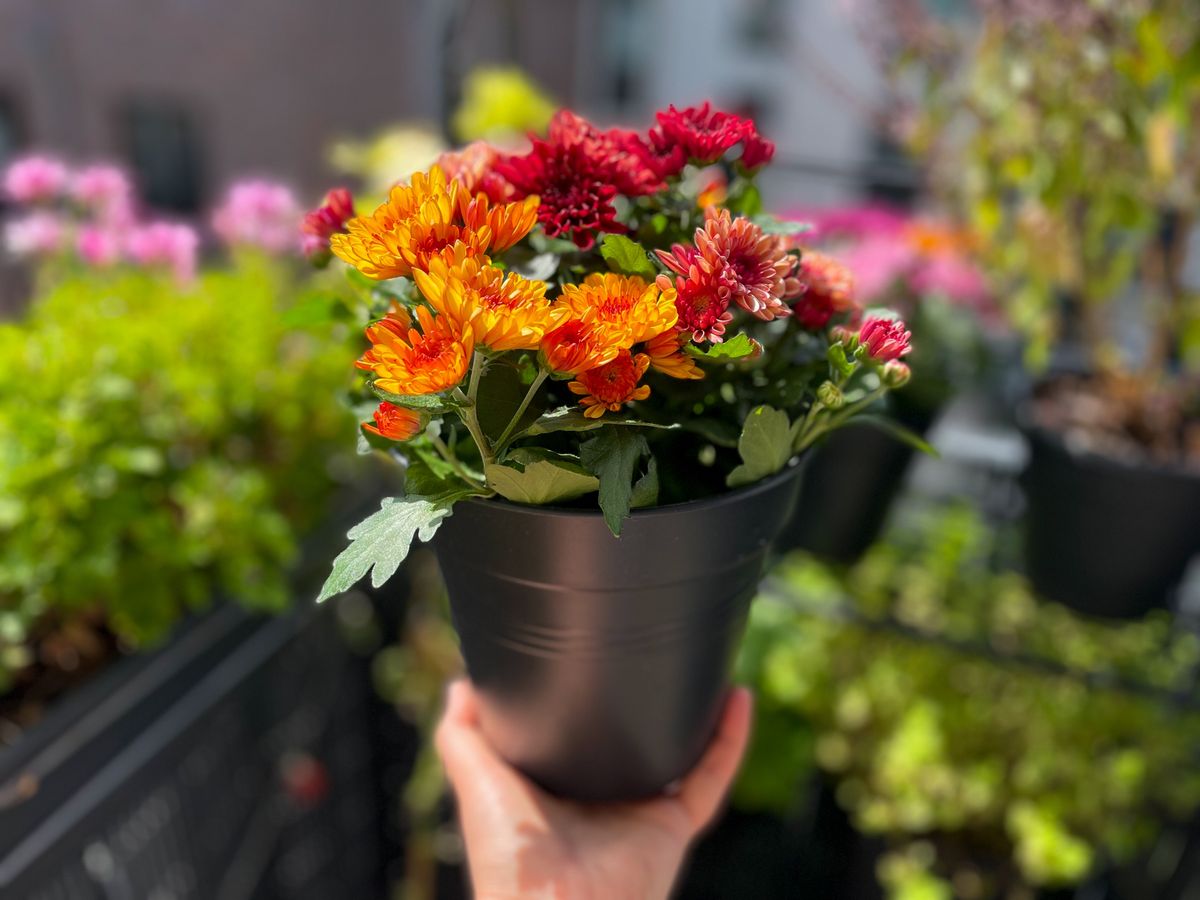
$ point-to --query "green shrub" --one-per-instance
(979, 764)
(160, 445)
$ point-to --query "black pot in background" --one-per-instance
(1104, 536)
(849, 485)
(603, 663)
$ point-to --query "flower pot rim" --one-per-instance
(765, 485)
(1176, 471)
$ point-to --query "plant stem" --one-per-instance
(502, 441)
(448, 455)
(469, 418)
(806, 440)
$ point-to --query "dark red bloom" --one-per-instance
(577, 172)
(325, 221)
(703, 135)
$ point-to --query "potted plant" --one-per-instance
(1069, 141)
(998, 745)
(581, 326)
(920, 267)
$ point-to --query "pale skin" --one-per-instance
(523, 843)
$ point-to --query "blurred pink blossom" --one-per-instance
(832, 223)
(35, 179)
(878, 263)
(261, 214)
(40, 233)
(168, 244)
(99, 245)
(952, 277)
(104, 190)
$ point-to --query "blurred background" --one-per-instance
(977, 673)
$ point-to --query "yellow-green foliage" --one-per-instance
(500, 104)
(931, 744)
(159, 445)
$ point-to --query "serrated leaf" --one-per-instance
(612, 456)
(771, 225)
(627, 256)
(742, 346)
(431, 403)
(541, 479)
(571, 418)
(765, 446)
(380, 542)
(896, 430)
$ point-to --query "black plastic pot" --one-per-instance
(1104, 536)
(602, 663)
(849, 486)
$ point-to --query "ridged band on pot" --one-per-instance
(1104, 536)
(602, 662)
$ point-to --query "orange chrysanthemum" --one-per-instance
(576, 346)
(504, 312)
(612, 385)
(667, 356)
(396, 422)
(424, 218)
(426, 361)
(624, 305)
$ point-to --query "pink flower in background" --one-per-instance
(35, 179)
(850, 222)
(38, 234)
(952, 277)
(878, 262)
(325, 221)
(261, 214)
(168, 244)
(98, 245)
(105, 191)
(885, 339)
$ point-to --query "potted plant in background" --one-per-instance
(1069, 140)
(921, 268)
(997, 745)
(574, 327)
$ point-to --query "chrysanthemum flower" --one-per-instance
(422, 219)
(577, 172)
(474, 167)
(322, 223)
(426, 361)
(396, 422)
(828, 289)
(700, 302)
(885, 339)
(705, 135)
(576, 346)
(624, 305)
(611, 386)
(667, 356)
(504, 312)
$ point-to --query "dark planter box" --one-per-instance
(603, 663)
(1103, 536)
(234, 762)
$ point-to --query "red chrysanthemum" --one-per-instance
(577, 172)
(702, 305)
(325, 221)
(828, 289)
(885, 339)
(703, 135)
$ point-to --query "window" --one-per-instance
(164, 150)
(10, 129)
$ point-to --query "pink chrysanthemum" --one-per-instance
(702, 306)
(884, 339)
(474, 167)
(328, 219)
(755, 268)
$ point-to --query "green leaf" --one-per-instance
(896, 430)
(431, 403)
(717, 431)
(765, 446)
(627, 256)
(571, 418)
(380, 542)
(744, 198)
(740, 347)
(612, 456)
(542, 244)
(771, 225)
(645, 491)
(540, 478)
(501, 390)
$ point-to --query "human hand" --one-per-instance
(524, 843)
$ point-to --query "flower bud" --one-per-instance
(830, 395)
(895, 374)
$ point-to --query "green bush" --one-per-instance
(160, 445)
(980, 765)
